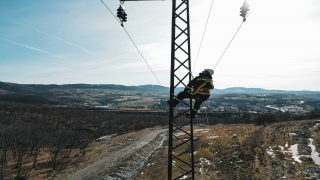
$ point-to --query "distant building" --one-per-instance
(292, 108)
(130, 106)
(101, 107)
(275, 108)
(203, 109)
(221, 109)
(142, 107)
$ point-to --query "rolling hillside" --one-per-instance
(80, 93)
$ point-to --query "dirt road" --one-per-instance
(112, 158)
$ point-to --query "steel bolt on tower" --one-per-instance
(180, 153)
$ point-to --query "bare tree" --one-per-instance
(56, 143)
(21, 137)
(37, 138)
(5, 142)
(83, 141)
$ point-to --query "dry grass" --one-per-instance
(239, 152)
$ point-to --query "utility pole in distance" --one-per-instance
(180, 151)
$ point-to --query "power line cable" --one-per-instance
(142, 56)
(132, 42)
(203, 36)
(231, 41)
(228, 46)
(110, 11)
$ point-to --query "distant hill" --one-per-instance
(39, 93)
(243, 90)
(40, 88)
(141, 88)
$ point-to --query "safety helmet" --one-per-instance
(210, 71)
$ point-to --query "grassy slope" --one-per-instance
(240, 152)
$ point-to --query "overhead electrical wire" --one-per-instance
(132, 42)
(110, 11)
(231, 41)
(228, 46)
(203, 36)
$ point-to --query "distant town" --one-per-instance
(217, 103)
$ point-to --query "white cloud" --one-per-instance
(33, 48)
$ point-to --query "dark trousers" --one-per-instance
(199, 99)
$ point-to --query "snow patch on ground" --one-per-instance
(204, 162)
(295, 153)
(314, 153)
(184, 177)
(293, 149)
(212, 137)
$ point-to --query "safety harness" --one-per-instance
(202, 89)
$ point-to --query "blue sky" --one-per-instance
(66, 42)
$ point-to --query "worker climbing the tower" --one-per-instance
(197, 89)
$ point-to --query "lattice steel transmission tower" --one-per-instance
(180, 153)
(181, 156)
